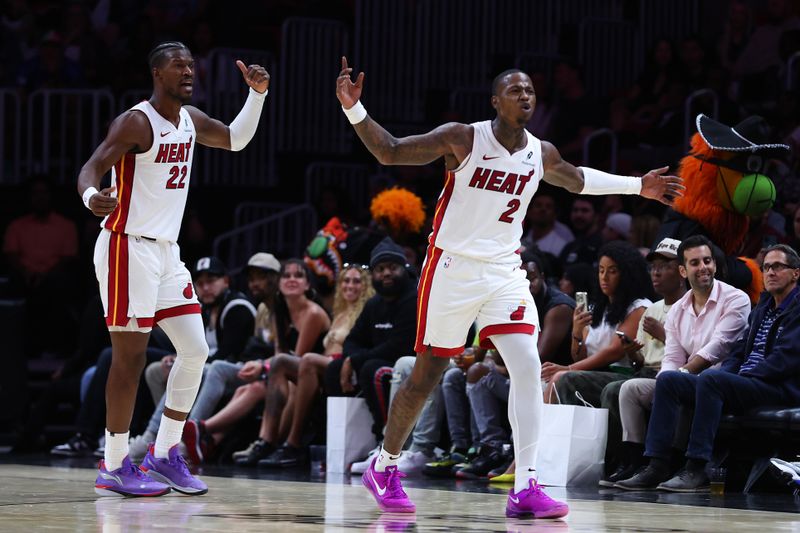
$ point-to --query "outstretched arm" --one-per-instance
(583, 180)
(211, 132)
(452, 140)
(129, 132)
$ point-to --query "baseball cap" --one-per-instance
(621, 223)
(210, 265)
(667, 248)
(387, 250)
(264, 261)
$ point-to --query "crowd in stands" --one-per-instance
(662, 330)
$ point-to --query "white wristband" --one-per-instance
(599, 182)
(355, 114)
(87, 194)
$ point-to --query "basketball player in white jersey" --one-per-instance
(472, 268)
(142, 279)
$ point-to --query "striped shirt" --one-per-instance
(758, 352)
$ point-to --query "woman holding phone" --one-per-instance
(601, 333)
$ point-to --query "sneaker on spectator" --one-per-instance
(444, 466)
(138, 446)
(100, 451)
(198, 443)
(687, 480)
(622, 472)
(788, 472)
(501, 470)
(361, 466)
(285, 457)
(76, 446)
(411, 463)
(488, 459)
(172, 470)
(647, 479)
(259, 449)
(532, 501)
(127, 480)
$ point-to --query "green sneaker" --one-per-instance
(444, 467)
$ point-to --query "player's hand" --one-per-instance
(664, 188)
(102, 203)
(255, 76)
(348, 92)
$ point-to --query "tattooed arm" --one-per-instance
(453, 140)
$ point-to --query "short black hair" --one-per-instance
(158, 54)
(695, 241)
(793, 260)
(499, 78)
(531, 257)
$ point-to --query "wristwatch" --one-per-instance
(684, 370)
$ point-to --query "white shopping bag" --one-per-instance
(350, 435)
(572, 445)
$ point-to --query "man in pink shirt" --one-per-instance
(700, 330)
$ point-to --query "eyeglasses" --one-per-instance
(776, 267)
(355, 265)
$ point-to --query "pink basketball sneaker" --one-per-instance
(387, 489)
(533, 501)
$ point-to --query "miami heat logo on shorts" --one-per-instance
(518, 314)
(188, 292)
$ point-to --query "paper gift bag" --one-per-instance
(350, 435)
(572, 445)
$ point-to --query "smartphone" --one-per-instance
(581, 300)
(624, 338)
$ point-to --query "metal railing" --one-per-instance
(613, 145)
(64, 126)
(284, 234)
(10, 136)
(690, 111)
(248, 212)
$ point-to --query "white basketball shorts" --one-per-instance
(143, 279)
(455, 291)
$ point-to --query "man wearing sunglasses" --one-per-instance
(763, 368)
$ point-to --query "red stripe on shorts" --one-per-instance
(117, 280)
(424, 294)
(124, 169)
(503, 329)
(187, 309)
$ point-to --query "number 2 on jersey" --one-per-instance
(513, 205)
(173, 183)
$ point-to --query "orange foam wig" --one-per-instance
(400, 209)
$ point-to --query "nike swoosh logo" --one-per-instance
(381, 491)
(164, 133)
(513, 499)
(111, 477)
(489, 158)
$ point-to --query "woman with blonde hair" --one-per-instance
(353, 289)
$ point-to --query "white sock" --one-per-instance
(385, 459)
(116, 449)
(169, 434)
(525, 401)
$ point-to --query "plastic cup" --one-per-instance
(717, 477)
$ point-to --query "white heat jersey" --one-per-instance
(152, 186)
(481, 209)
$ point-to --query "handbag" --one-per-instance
(349, 433)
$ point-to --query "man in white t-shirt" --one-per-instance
(647, 351)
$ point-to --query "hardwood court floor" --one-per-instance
(55, 498)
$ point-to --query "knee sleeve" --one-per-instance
(188, 336)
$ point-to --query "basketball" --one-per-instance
(754, 195)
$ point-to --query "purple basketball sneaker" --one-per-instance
(387, 489)
(173, 471)
(533, 501)
(127, 480)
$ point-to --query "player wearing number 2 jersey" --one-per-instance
(142, 278)
(471, 270)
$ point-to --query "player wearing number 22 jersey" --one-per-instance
(152, 186)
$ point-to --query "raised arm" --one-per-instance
(212, 132)
(452, 141)
(130, 132)
(655, 185)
